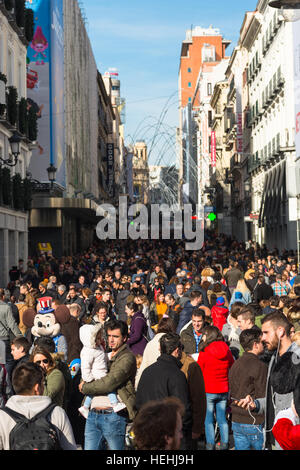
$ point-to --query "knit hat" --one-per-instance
(238, 295)
(220, 301)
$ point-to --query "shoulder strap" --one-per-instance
(14, 414)
(44, 413)
(19, 417)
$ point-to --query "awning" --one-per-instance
(263, 201)
(269, 200)
(279, 198)
(275, 190)
(266, 198)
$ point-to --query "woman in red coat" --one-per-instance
(215, 360)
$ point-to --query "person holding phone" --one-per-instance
(248, 376)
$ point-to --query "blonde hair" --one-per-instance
(296, 338)
(242, 286)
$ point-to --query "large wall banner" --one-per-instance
(45, 87)
(296, 36)
(239, 112)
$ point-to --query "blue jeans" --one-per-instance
(216, 404)
(104, 427)
(247, 436)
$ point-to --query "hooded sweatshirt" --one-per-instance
(219, 314)
(215, 362)
(93, 358)
(30, 406)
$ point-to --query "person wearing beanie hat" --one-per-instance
(219, 313)
(286, 429)
(236, 297)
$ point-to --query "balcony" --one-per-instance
(16, 116)
(20, 19)
(253, 163)
(235, 161)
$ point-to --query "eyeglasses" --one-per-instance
(44, 361)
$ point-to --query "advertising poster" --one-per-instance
(45, 87)
(296, 36)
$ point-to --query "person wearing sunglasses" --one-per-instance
(54, 379)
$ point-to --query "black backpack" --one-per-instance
(37, 433)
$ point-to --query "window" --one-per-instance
(190, 99)
(20, 77)
(189, 85)
(209, 89)
(189, 70)
(9, 68)
(208, 53)
(1, 55)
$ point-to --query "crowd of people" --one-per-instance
(144, 345)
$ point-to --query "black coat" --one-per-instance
(262, 292)
(121, 300)
(165, 379)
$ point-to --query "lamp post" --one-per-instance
(14, 141)
(51, 174)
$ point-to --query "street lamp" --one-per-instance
(247, 187)
(14, 141)
(51, 174)
(289, 9)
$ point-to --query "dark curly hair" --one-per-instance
(155, 422)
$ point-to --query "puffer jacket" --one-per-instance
(120, 377)
(215, 362)
(93, 358)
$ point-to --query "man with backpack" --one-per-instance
(30, 421)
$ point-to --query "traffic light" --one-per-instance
(212, 216)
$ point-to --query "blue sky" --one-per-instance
(142, 40)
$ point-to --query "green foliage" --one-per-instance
(27, 185)
(6, 187)
(20, 13)
(23, 121)
(9, 4)
(32, 125)
(18, 192)
(12, 105)
(29, 24)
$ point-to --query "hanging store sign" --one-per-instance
(110, 180)
(239, 113)
(213, 149)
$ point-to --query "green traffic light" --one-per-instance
(212, 216)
